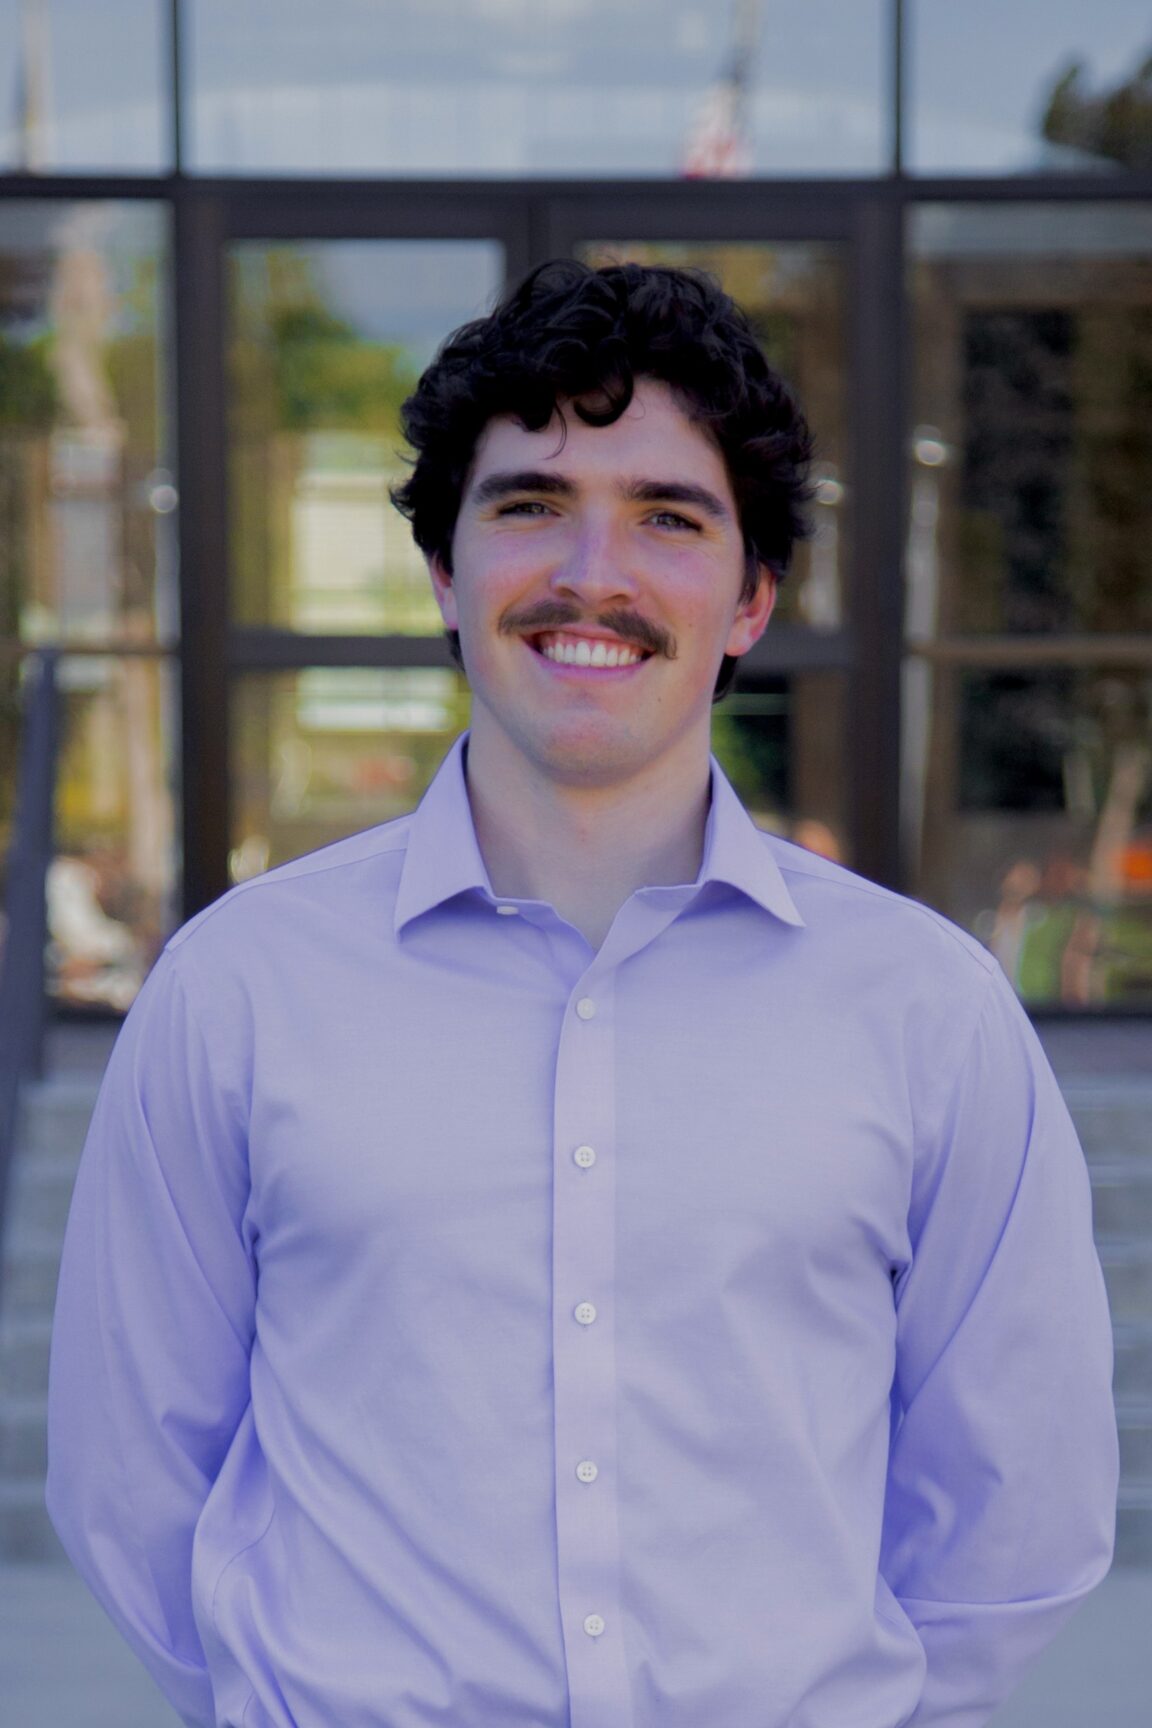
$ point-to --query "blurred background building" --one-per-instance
(230, 237)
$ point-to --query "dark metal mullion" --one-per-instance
(260, 650)
(899, 71)
(789, 648)
(198, 269)
(747, 212)
(176, 82)
(877, 437)
(795, 199)
(392, 212)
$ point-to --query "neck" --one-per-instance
(584, 849)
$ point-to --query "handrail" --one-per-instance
(23, 993)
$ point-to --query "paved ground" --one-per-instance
(62, 1665)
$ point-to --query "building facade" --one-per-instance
(230, 237)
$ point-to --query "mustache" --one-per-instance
(629, 627)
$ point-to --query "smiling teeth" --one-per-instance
(584, 654)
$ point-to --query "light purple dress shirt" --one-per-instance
(459, 1326)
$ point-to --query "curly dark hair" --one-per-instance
(582, 335)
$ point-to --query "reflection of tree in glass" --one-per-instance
(327, 377)
(28, 406)
(750, 738)
(311, 368)
(297, 368)
(1115, 125)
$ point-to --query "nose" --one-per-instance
(595, 569)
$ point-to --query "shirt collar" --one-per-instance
(443, 857)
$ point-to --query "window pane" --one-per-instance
(1032, 443)
(327, 340)
(1033, 790)
(781, 742)
(530, 87)
(87, 542)
(85, 86)
(1039, 85)
(794, 294)
(324, 752)
(112, 887)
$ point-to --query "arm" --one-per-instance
(1000, 1511)
(148, 1376)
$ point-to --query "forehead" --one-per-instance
(654, 438)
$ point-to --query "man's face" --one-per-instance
(622, 539)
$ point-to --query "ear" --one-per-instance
(752, 616)
(443, 590)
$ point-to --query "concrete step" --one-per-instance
(1122, 1199)
(40, 1192)
(1113, 1119)
(1135, 1425)
(23, 1438)
(1127, 1270)
(1134, 1536)
(1132, 1374)
(24, 1341)
(26, 1531)
(31, 1270)
(54, 1117)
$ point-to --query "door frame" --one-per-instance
(533, 222)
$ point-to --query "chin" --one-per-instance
(589, 761)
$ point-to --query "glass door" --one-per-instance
(782, 732)
(341, 695)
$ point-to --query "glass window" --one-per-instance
(1032, 443)
(1038, 831)
(1027, 760)
(327, 339)
(794, 293)
(113, 883)
(323, 752)
(85, 87)
(87, 491)
(526, 87)
(781, 741)
(88, 559)
(1036, 86)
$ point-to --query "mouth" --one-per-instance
(579, 655)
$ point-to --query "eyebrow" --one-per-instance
(505, 484)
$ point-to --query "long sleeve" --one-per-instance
(154, 1321)
(1000, 1510)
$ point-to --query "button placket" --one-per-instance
(584, 1357)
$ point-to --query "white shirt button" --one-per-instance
(508, 911)
(585, 1156)
(585, 1313)
(593, 1625)
(586, 1470)
(585, 1007)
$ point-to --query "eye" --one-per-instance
(673, 519)
(524, 507)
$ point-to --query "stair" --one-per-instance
(1112, 1112)
(53, 1121)
(1113, 1116)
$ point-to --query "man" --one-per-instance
(566, 1258)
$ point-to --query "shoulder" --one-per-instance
(857, 923)
(350, 879)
